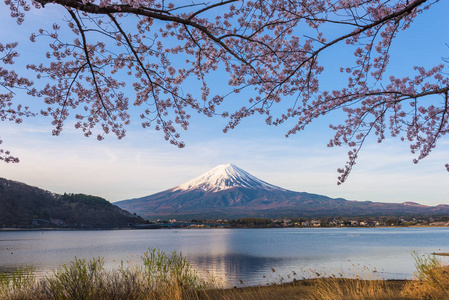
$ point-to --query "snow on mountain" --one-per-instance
(224, 177)
(230, 192)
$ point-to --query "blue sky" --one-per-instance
(144, 163)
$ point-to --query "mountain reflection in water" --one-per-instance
(235, 256)
(233, 268)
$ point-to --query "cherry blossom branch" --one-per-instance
(270, 49)
(88, 62)
(111, 9)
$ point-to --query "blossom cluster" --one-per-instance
(269, 48)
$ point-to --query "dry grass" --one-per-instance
(355, 289)
(325, 288)
(277, 291)
(163, 277)
(432, 279)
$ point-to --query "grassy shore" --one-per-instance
(170, 277)
(324, 288)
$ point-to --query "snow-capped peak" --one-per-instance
(225, 177)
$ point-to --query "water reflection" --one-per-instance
(237, 269)
(235, 255)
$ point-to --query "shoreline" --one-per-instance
(210, 227)
(302, 289)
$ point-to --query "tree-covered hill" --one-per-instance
(26, 206)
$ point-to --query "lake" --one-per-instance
(236, 256)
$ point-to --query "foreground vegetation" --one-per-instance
(167, 277)
(159, 277)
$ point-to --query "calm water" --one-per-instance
(249, 255)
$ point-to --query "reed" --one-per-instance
(17, 282)
(353, 289)
(171, 277)
(160, 276)
(431, 279)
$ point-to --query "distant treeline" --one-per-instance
(251, 222)
(330, 222)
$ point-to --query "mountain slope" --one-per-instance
(230, 192)
(24, 206)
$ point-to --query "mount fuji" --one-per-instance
(224, 177)
(227, 191)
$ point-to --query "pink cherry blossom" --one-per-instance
(158, 46)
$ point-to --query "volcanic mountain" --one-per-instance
(227, 191)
